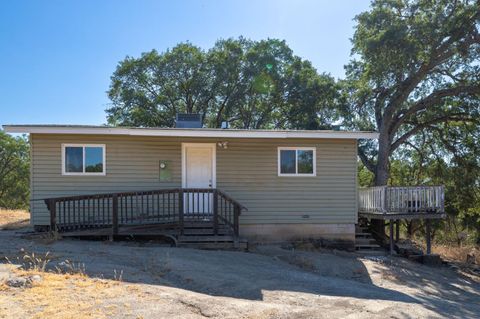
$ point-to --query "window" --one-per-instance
(296, 161)
(83, 159)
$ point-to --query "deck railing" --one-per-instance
(401, 200)
(169, 207)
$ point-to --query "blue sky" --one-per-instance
(56, 57)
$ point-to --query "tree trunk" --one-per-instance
(410, 229)
(381, 176)
(381, 169)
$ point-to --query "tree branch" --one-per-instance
(420, 126)
(366, 161)
(435, 97)
(441, 53)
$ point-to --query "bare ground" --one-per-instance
(14, 219)
(271, 282)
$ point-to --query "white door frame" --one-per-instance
(213, 147)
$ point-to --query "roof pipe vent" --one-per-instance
(225, 125)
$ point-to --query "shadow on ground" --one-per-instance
(20, 224)
(253, 276)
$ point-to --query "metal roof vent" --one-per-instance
(225, 125)
(184, 120)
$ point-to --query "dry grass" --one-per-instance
(64, 291)
(14, 219)
(458, 254)
(63, 296)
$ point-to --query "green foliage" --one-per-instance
(415, 68)
(448, 157)
(251, 84)
(415, 78)
(14, 172)
(365, 177)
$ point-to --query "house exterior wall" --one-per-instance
(279, 208)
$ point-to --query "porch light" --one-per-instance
(223, 145)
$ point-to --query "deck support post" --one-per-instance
(181, 210)
(53, 214)
(236, 223)
(215, 212)
(397, 230)
(428, 236)
(114, 216)
(391, 237)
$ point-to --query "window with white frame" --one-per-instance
(83, 159)
(297, 161)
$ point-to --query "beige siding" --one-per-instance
(247, 170)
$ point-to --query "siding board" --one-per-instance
(246, 170)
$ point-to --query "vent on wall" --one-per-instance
(188, 121)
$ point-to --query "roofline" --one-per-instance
(177, 132)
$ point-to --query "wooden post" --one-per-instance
(114, 215)
(236, 223)
(53, 213)
(385, 200)
(397, 230)
(215, 212)
(181, 210)
(391, 237)
(427, 234)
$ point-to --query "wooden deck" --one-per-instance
(181, 215)
(396, 203)
(195, 234)
(390, 203)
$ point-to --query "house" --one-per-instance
(267, 185)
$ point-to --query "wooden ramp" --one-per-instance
(195, 235)
(184, 216)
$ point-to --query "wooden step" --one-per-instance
(362, 231)
(205, 231)
(361, 226)
(363, 235)
(198, 224)
(367, 246)
(362, 241)
(195, 239)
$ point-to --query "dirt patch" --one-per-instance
(61, 296)
(468, 255)
(14, 219)
(272, 282)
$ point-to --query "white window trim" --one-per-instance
(314, 149)
(104, 148)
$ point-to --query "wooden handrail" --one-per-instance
(232, 201)
(147, 192)
(401, 199)
(167, 206)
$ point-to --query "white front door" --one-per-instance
(198, 171)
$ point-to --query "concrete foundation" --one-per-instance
(330, 235)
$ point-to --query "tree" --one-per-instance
(14, 172)
(150, 90)
(312, 100)
(449, 156)
(415, 69)
(251, 84)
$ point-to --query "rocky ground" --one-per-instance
(91, 279)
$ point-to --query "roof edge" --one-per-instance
(177, 132)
